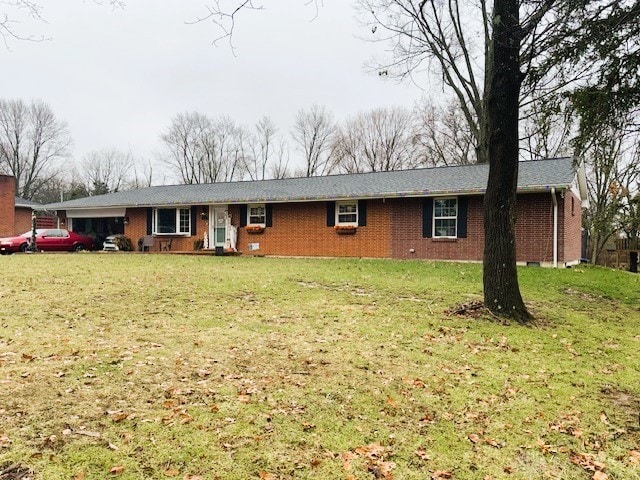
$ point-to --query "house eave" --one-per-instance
(322, 198)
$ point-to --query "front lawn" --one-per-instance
(163, 366)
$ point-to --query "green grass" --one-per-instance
(240, 368)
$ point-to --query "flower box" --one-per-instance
(345, 229)
(255, 229)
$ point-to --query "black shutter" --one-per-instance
(362, 213)
(243, 215)
(331, 214)
(194, 219)
(268, 214)
(149, 221)
(427, 217)
(463, 203)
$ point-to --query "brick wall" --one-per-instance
(406, 228)
(7, 205)
(394, 229)
(137, 228)
(300, 229)
(572, 228)
(22, 220)
(534, 231)
(534, 228)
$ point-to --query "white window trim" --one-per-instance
(433, 226)
(176, 234)
(347, 224)
(256, 205)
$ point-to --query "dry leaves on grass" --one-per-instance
(588, 463)
(473, 309)
(441, 475)
(374, 457)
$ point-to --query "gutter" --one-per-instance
(555, 227)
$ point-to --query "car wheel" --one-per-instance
(23, 247)
(78, 248)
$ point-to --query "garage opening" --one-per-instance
(97, 223)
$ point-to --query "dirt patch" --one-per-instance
(15, 471)
(473, 309)
(626, 404)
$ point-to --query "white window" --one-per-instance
(172, 221)
(257, 214)
(347, 213)
(445, 217)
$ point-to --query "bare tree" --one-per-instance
(201, 150)
(262, 148)
(443, 136)
(546, 130)
(14, 13)
(106, 171)
(613, 172)
(280, 165)
(142, 174)
(314, 131)
(379, 140)
(32, 143)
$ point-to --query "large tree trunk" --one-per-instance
(501, 290)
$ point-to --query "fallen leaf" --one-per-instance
(492, 442)
(266, 476)
(117, 470)
(634, 457)
(473, 437)
(600, 476)
(118, 416)
(422, 454)
(346, 460)
(441, 475)
(79, 476)
(172, 472)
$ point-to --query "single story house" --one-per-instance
(428, 213)
(15, 212)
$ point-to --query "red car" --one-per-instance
(48, 240)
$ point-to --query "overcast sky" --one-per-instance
(119, 76)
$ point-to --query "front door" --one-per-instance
(218, 230)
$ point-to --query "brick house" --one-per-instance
(433, 213)
(15, 212)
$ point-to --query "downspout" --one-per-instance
(555, 227)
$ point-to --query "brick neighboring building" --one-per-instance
(15, 212)
(7, 205)
(423, 214)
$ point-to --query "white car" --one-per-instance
(109, 244)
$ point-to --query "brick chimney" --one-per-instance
(7, 205)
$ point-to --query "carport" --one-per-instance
(98, 223)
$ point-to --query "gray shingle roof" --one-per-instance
(533, 175)
(24, 203)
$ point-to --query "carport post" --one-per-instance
(33, 247)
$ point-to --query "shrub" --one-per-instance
(124, 243)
